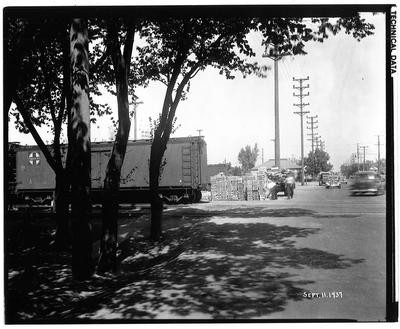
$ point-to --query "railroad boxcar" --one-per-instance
(182, 178)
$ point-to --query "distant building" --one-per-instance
(288, 164)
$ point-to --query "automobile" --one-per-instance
(323, 178)
(333, 181)
(367, 182)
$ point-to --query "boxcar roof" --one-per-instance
(174, 140)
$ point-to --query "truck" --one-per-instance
(182, 178)
(323, 178)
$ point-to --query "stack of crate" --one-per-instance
(228, 189)
(254, 189)
(248, 186)
(241, 190)
(236, 188)
(251, 188)
(217, 187)
(262, 183)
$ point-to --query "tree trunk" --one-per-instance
(109, 239)
(157, 152)
(159, 144)
(121, 63)
(63, 239)
(82, 267)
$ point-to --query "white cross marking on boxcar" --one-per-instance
(34, 158)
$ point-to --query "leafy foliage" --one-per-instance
(233, 170)
(40, 84)
(248, 157)
(352, 168)
(316, 162)
(154, 123)
(289, 35)
(349, 169)
(195, 43)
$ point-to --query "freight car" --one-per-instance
(182, 179)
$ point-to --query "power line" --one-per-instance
(313, 135)
(363, 147)
(135, 104)
(301, 105)
(312, 127)
(379, 154)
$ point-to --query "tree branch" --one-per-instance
(168, 94)
(130, 37)
(112, 44)
(35, 134)
(47, 85)
(175, 102)
(66, 83)
(100, 61)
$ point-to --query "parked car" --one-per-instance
(367, 182)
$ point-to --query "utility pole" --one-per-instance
(312, 127)
(135, 103)
(363, 147)
(318, 142)
(379, 154)
(301, 113)
(199, 130)
(262, 156)
(358, 156)
(273, 54)
(322, 145)
(313, 134)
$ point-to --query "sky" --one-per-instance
(346, 87)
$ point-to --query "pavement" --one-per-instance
(320, 255)
(323, 252)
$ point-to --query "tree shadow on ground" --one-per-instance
(253, 212)
(239, 212)
(200, 269)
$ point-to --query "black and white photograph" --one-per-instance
(199, 163)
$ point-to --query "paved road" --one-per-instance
(345, 246)
(264, 259)
(243, 260)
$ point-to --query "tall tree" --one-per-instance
(349, 169)
(248, 157)
(176, 50)
(38, 69)
(121, 62)
(316, 162)
(42, 97)
(79, 140)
